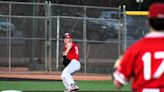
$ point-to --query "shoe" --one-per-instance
(70, 90)
(74, 87)
(67, 90)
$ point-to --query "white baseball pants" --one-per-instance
(68, 71)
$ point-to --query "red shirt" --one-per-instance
(144, 63)
(74, 52)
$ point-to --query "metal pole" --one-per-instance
(49, 37)
(85, 41)
(57, 44)
(125, 29)
(33, 34)
(9, 38)
(119, 32)
(46, 67)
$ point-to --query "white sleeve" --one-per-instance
(120, 77)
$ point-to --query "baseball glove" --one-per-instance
(66, 61)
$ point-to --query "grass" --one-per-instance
(25, 85)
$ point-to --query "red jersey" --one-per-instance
(144, 63)
(74, 52)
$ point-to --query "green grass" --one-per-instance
(58, 86)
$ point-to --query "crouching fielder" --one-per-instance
(71, 63)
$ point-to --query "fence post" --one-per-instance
(120, 31)
(57, 44)
(125, 29)
(85, 43)
(9, 34)
(48, 36)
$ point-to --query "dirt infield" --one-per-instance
(54, 76)
(23, 74)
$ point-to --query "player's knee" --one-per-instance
(63, 76)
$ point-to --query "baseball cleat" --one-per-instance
(75, 91)
(74, 88)
(70, 90)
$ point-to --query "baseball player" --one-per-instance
(143, 62)
(71, 63)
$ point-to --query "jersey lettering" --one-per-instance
(147, 64)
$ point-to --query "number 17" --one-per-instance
(147, 64)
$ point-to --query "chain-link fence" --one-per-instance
(31, 36)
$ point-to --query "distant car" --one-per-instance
(136, 26)
(5, 25)
(110, 24)
(105, 26)
(98, 29)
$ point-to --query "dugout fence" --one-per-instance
(31, 36)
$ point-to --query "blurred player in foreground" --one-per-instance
(143, 62)
(71, 63)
